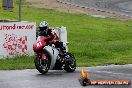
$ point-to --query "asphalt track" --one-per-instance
(31, 78)
(118, 6)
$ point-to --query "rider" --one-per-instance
(51, 36)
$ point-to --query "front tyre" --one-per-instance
(42, 65)
(70, 63)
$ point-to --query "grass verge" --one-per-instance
(18, 62)
(93, 41)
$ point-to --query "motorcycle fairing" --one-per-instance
(53, 52)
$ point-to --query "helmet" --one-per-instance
(43, 26)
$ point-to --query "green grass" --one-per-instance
(93, 41)
(18, 62)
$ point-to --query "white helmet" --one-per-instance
(43, 25)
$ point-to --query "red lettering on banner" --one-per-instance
(15, 27)
(14, 44)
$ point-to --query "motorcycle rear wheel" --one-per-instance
(70, 64)
(42, 65)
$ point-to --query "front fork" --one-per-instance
(42, 55)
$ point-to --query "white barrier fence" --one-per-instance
(17, 38)
(62, 34)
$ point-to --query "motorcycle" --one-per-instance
(48, 57)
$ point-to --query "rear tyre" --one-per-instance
(70, 63)
(42, 65)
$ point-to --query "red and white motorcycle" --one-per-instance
(48, 57)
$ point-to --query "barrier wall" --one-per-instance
(62, 33)
(17, 38)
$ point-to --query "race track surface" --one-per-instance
(31, 78)
(118, 6)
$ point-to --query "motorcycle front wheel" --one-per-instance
(70, 64)
(42, 65)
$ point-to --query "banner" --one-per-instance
(17, 38)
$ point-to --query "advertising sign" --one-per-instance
(17, 38)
